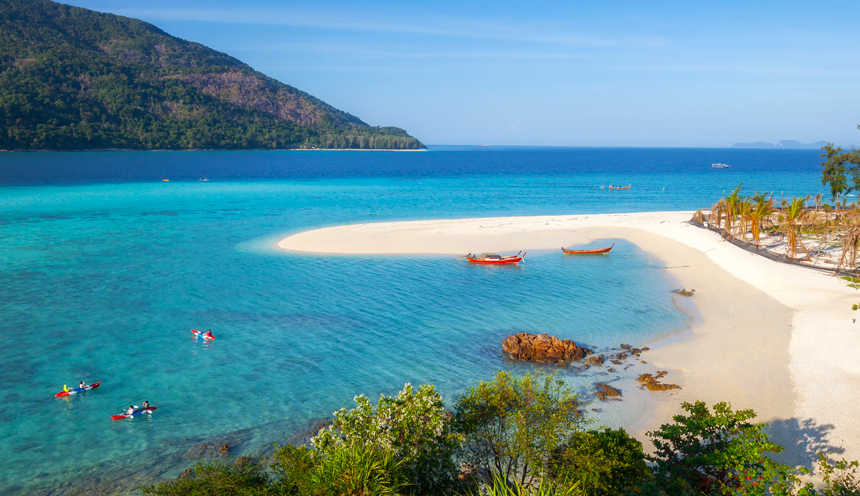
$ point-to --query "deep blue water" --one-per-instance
(105, 268)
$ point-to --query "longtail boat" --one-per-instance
(596, 251)
(493, 259)
(619, 187)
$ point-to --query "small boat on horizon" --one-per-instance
(494, 259)
(720, 165)
(619, 187)
(595, 251)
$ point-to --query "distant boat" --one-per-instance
(719, 165)
(619, 187)
(493, 259)
(596, 251)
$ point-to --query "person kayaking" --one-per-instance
(146, 404)
(208, 334)
(65, 388)
(82, 385)
(130, 410)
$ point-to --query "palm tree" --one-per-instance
(744, 208)
(757, 214)
(731, 206)
(794, 213)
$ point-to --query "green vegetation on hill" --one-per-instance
(72, 78)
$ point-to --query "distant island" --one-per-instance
(76, 79)
(788, 144)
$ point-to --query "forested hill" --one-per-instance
(72, 79)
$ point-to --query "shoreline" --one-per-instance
(773, 337)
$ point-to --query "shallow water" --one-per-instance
(106, 268)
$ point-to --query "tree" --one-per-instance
(410, 426)
(838, 167)
(601, 463)
(718, 453)
(510, 425)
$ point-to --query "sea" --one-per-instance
(109, 259)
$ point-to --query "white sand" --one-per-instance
(777, 338)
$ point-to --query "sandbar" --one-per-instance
(777, 338)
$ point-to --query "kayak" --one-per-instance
(202, 334)
(136, 412)
(77, 390)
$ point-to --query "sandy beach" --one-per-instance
(780, 339)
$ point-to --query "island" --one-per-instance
(76, 79)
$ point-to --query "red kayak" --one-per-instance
(77, 390)
(137, 411)
(202, 334)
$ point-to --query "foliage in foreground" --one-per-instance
(510, 425)
(410, 426)
(527, 433)
(600, 462)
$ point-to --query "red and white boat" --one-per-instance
(493, 259)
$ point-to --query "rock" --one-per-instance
(561, 363)
(625, 346)
(635, 351)
(185, 473)
(621, 356)
(611, 369)
(594, 360)
(645, 348)
(542, 348)
(653, 383)
(242, 460)
(616, 362)
(448, 416)
(606, 391)
(684, 292)
(224, 449)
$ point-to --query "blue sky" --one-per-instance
(550, 73)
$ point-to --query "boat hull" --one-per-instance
(596, 251)
(495, 262)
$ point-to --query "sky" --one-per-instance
(550, 73)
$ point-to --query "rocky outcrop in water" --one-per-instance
(653, 382)
(542, 348)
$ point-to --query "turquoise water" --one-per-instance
(103, 280)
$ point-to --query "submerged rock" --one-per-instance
(542, 348)
(594, 360)
(625, 346)
(605, 391)
(653, 382)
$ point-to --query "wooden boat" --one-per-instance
(493, 259)
(596, 251)
(619, 187)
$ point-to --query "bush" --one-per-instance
(511, 425)
(410, 426)
(601, 462)
(718, 453)
(218, 479)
